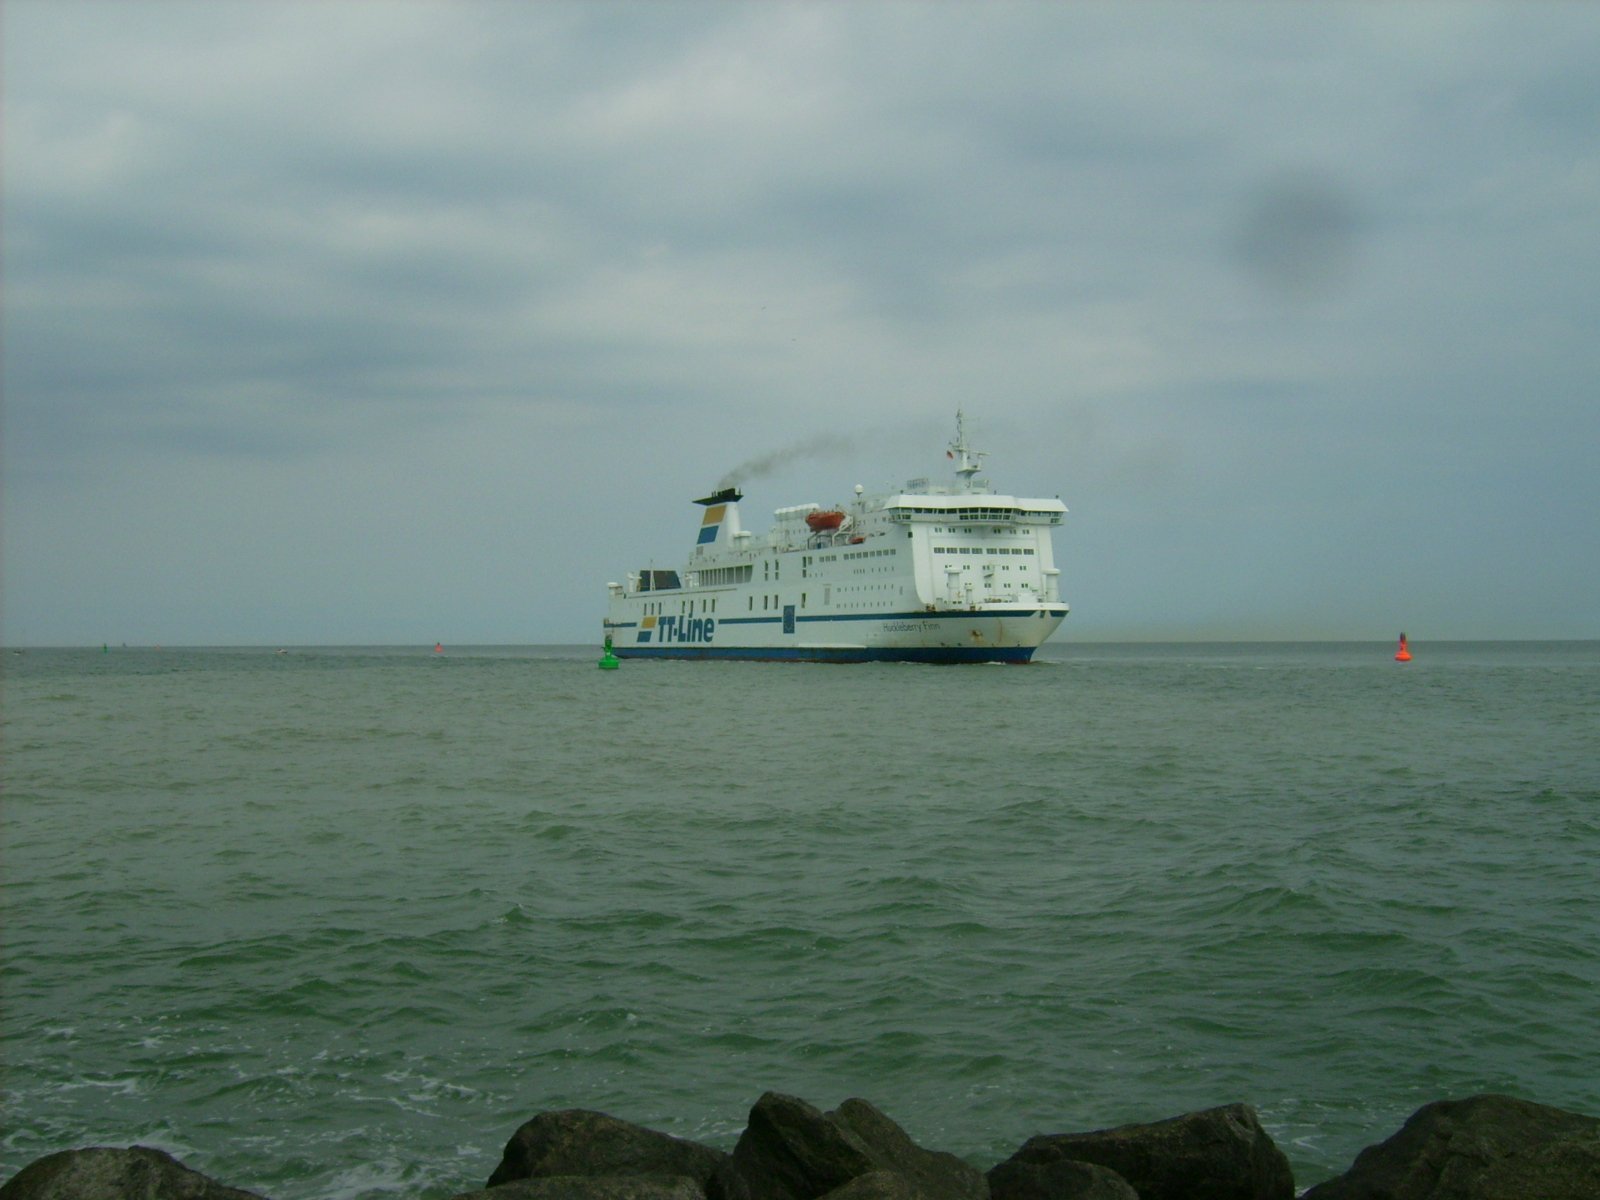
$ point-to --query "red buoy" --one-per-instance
(1402, 654)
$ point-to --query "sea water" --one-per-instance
(332, 923)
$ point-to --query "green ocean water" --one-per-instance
(332, 923)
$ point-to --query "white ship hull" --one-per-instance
(928, 574)
(989, 635)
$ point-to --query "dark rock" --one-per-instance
(931, 1173)
(874, 1185)
(792, 1151)
(1218, 1154)
(594, 1187)
(1061, 1180)
(789, 1151)
(106, 1173)
(1481, 1148)
(577, 1142)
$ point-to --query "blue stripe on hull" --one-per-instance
(913, 654)
(956, 615)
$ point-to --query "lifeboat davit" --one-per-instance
(821, 522)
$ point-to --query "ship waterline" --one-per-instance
(954, 573)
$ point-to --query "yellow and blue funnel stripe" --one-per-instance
(711, 523)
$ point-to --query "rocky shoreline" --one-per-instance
(1485, 1147)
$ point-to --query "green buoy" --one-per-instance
(608, 660)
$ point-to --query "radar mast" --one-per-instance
(968, 461)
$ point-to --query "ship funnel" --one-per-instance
(720, 524)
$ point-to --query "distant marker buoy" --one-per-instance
(1402, 654)
(608, 660)
(438, 647)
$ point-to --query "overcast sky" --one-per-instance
(380, 322)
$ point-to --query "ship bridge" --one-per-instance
(977, 509)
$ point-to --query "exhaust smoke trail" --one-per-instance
(756, 468)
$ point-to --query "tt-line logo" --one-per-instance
(686, 629)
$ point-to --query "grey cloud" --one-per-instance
(1297, 235)
(245, 241)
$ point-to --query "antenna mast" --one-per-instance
(968, 461)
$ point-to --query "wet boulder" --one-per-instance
(1481, 1148)
(593, 1187)
(874, 1185)
(789, 1150)
(792, 1151)
(1060, 1180)
(934, 1174)
(106, 1173)
(578, 1142)
(1217, 1154)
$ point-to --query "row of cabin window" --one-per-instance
(968, 514)
(654, 608)
(982, 550)
(770, 603)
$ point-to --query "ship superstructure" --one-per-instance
(950, 573)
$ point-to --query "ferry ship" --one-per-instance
(952, 573)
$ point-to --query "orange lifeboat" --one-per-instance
(821, 522)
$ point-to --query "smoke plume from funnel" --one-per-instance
(756, 468)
